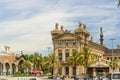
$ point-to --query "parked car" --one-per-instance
(104, 78)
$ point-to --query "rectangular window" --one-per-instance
(74, 43)
(67, 45)
(66, 54)
(60, 55)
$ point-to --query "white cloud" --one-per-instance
(29, 23)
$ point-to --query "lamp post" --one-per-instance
(112, 39)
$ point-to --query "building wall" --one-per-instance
(9, 64)
(65, 42)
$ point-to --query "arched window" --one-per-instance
(1, 68)
(60, 71)
(13, 68)
(19, 67)
(67, 70)
(74, 70)
(7, 67)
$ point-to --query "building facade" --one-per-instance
(64, 42)
(10, 62)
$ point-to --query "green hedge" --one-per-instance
(19, 74)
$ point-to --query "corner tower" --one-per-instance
(82, 33)
(101, 36)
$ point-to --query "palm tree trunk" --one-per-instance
(52, 72)
(86, 73)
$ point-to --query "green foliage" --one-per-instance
(19, 74)
(52, 62)
(87, 58)
(84, 58)
(16, 74)
(73, 60)
(26, 65)
(113, 64)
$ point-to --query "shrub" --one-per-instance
(16, 74)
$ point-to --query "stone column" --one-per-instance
(70, 52)
(56, 52)
(77, 70)
(110, 69)
(94, 72)
(70, 71)
(16, 68)
(63, 70)
(63, 55)
(4, 70)
(10, 70)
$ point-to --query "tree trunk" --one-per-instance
(86, 73)
(52, 73)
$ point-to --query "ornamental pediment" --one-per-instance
(67, 36)
(100, 64)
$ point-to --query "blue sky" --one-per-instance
(26, 24)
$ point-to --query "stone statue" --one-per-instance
(91, 38)
(84, 26)
(80, 24)
(61, 27)
(56, 26)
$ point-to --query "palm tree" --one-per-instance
(52, 62)
(73, 59)
(45, 67)
(113, 64)
(36, 60)
(87, 58)
(26, 65)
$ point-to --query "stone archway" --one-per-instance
(1, 68)
(20, 69)
(13, 68)
(7, 68)
(66, 70)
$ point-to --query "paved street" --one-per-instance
(25, 78)
(21, 78)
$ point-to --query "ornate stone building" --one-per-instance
(10, 62)
(64, 42)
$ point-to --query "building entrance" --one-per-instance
(98, 71)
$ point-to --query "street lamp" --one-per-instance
(112, 39)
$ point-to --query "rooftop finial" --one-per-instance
(84, 26)
(80, 24)
(61, 27)
(91, 38)
(56, 26)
